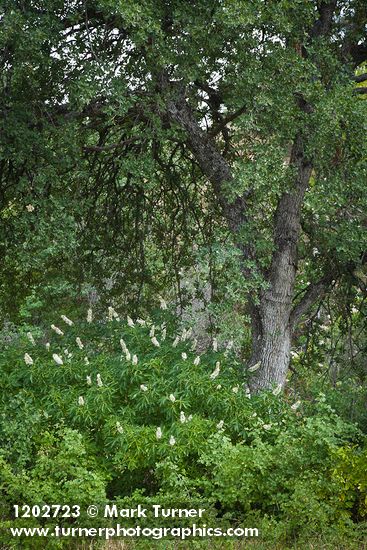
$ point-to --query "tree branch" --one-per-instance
(316, 290)
(223, 123)
(211, 162)
(360, 78)
(322, 26)
(110, 147)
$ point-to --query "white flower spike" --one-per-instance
(172, 441)
(135, 360)
(31, 339)
(182, 417)
(197, 361)
(130, 322)
(216, 371)
(57, 359)
(57, 330)
(143, 387)
(79, 343)
(184, 356)
(119, 428)
(99, 381)
(67, 320)
(172, 398)
(175, 342)
(255, 367)
(158, 433)
(89, 315)
(28, 359)
(155, 342)
(81, 401)
(112, 314)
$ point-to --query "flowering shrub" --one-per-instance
(122, 410)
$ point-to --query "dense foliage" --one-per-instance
(209, 156)
(79, 419)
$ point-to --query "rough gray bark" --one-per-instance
(272, 345)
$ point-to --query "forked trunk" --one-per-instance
(272, 329)
(272, 319)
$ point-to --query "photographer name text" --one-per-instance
(112, 511)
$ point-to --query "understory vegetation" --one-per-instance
(128, 412)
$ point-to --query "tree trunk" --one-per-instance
(271, 321)
(271, 349)
(274, 319)
(271, 344)
(274, 324)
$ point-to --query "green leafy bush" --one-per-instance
(111, 412)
